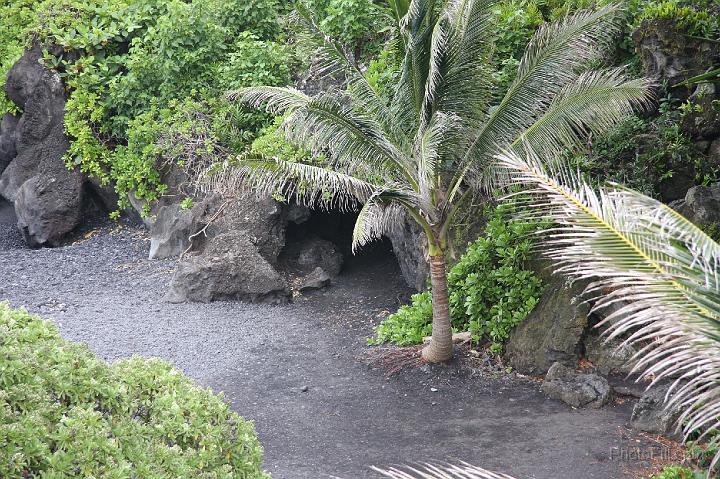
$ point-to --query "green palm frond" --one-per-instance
(432, 471)
(593, 103)
(662, 267)
(417, 30)
(304, 184)
(556, 56)
(465, 89)
(434, 146)
(334, 59)
(274, 100)
(356, 141)
(328, 123)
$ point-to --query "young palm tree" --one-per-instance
(425, 151)
(645, 256)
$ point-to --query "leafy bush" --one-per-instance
(693, 17)
(409, 325)
(126, 62)
(678, 472)
(353, 22)
(491, 289)
(64, 413)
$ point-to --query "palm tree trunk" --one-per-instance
(441, 346)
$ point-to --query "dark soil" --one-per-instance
(297, 370)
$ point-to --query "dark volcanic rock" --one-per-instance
(576, 389)
(317, 279)
(651, 415)
(41, 141)
(668, 54)
(262, 222)
(170, 232)
(552, 332)
(408, 242)
(49, 206)
(703, 122)
(230, 268)
(8, 139)
(48, 198)
(24, 76)
(315, 253)
(701, 204)
(609, 357)
(675, 187)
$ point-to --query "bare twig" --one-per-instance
(203, 230)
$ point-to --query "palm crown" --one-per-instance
(426, 150)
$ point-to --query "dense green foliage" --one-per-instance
(645, 152)
(64, 413)
(138, 68)
(491, 288)
(126, 62)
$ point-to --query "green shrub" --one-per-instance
(491, 289)
(678, 472)
(693, 17)
(353, 22)
(64, 413)
(409, 325)
(127, 61)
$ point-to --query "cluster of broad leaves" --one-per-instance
(65, 413)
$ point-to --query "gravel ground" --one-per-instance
(295, 369)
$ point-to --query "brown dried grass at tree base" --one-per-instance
(393, 359)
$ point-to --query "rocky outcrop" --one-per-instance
(668, 54)
(317, 279)
(172, 228)
(701, 204)
(263, 223)
(702, 123)
(45, 211)
(230, 268)
(48, 198)
(552, 332)
(8, 139)
(314, 252)
(575, 388)
(609, 357)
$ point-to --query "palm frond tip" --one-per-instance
(433, 471)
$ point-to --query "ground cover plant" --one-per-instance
(65, 413)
